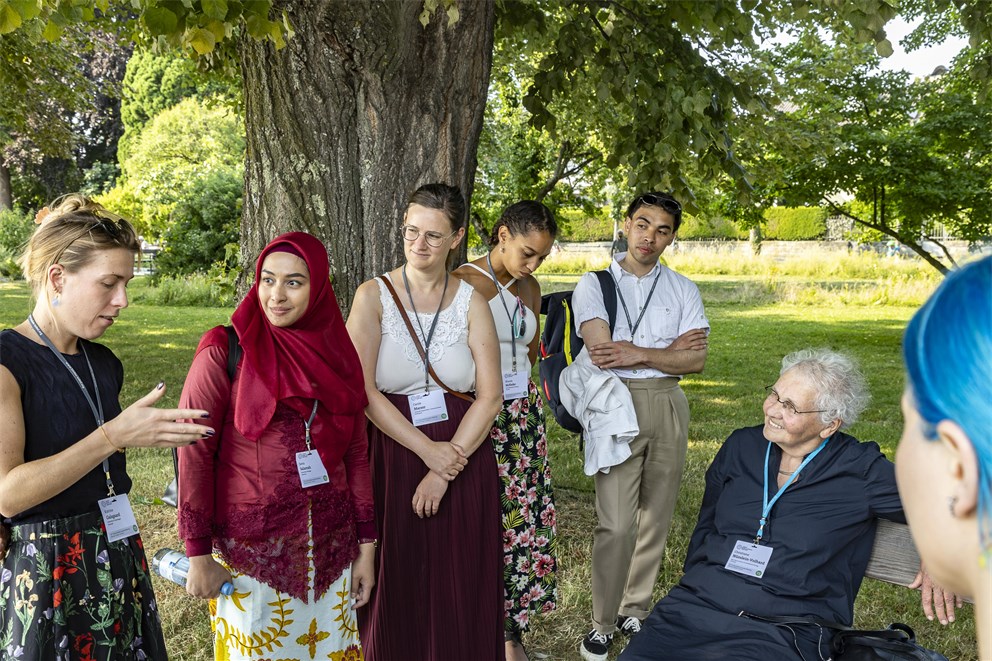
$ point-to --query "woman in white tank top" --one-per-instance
(438, 593)
(521, 240)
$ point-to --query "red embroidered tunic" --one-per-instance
(243, 498)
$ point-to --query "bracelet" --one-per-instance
(107, 436)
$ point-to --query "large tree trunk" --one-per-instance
(363, 105)
(6, 197)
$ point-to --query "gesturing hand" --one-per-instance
(143, 425)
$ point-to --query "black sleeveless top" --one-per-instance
(56, 415)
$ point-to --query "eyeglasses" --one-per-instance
(787, 405)
(434, 239)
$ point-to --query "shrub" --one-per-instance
(15, 230)
(695, 227)
(579, 226)
(216, 288)
(205, 222)
(795, 223)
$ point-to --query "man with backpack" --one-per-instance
(659, 335)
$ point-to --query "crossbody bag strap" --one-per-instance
(416, 341)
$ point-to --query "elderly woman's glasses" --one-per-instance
(787, 405)
(434, 239)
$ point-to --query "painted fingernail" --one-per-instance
(161, 384)
(192, 442)
(204, 415)
(208, 433)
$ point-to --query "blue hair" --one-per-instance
(948, 354)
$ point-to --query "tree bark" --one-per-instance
(6, 197)
(363, 105)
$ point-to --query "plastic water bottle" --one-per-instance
(174, 566)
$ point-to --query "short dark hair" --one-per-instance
(445, 198)
(667, 203)
(524, 217)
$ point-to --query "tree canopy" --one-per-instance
(339, 95)
(893, 154)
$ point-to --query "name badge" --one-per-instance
(311, 469)
(118, 518)
(515, 385)
(428, 407)
(749, 559)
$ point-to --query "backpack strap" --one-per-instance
(233, 351)
(609, 296)
(417, 344)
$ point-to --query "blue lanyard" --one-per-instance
(768, 504)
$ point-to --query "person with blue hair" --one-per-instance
(944, 462)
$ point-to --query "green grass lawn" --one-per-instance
(755, 321)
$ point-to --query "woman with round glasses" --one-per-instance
(785, 529)
(520, 242)
(427, 342)
(945, 456)
(75, 581)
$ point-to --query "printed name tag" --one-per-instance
(118, 518)
(749, 559)
(428, 407)
(514, 385)
(311, 469)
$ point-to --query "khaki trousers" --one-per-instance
(635, 502)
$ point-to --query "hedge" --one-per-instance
(795, 223)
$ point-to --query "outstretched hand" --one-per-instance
(143, 425)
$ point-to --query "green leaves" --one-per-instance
(160, 21)
(10, 18)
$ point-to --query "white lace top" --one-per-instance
(504, 328)
(400, 370)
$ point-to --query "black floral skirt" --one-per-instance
(68, 594)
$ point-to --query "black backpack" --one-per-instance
(171, 495)
(560, 343)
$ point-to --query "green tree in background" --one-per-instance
(894, 155)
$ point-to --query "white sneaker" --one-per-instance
(596, 646)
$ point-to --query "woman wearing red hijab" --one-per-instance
(282, 495)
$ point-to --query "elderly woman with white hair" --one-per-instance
(785, 529)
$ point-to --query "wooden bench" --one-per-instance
(894, 558)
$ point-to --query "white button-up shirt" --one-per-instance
(675, 308)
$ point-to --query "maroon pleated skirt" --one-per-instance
(439, 587)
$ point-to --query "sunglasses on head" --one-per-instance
(666, 202)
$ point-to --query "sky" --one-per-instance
(920, 62)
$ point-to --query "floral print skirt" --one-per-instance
(68, 594)
(529, 523)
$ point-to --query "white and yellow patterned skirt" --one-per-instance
(257, 622)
